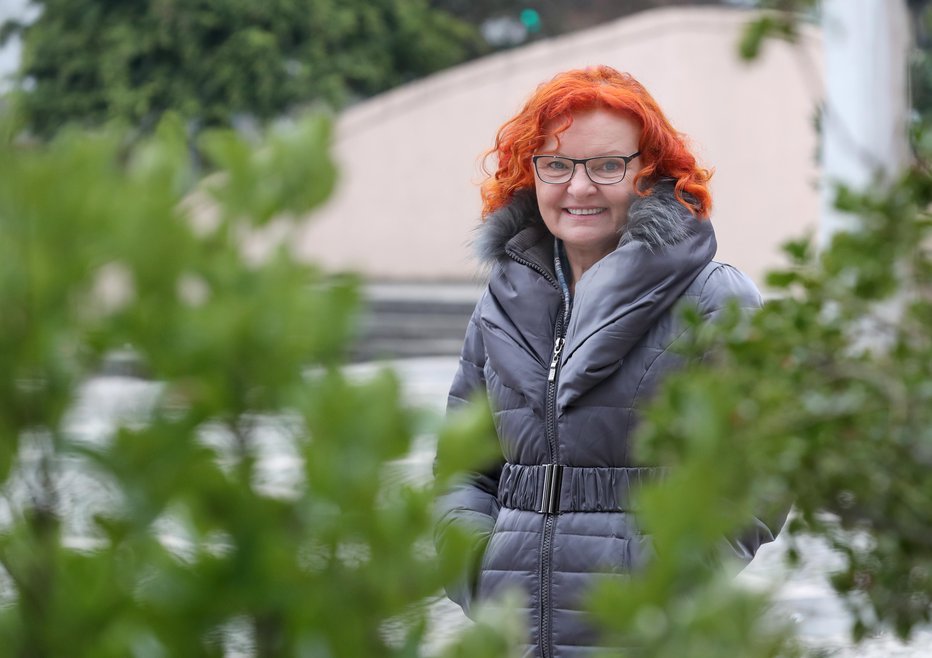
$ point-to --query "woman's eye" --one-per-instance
(609, 166)
(556, 165)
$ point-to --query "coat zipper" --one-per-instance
(555, 361)
(546, 552)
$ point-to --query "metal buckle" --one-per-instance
(550, 496)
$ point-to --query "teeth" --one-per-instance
(584, 211)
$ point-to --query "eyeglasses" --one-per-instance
(603, 170)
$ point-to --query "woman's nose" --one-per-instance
(580, 184)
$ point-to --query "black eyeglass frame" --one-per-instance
(583, 161)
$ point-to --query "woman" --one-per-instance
(595, 226)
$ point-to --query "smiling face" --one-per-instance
(587, 217)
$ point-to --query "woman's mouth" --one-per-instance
(584, 211)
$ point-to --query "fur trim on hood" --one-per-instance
(658, 220)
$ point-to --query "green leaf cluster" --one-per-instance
(822, 399)
(194, 543)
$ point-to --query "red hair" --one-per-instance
(549, 111)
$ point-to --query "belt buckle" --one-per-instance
(550, 496)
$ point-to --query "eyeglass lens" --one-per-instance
(554, 169)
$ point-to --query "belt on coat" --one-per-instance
(555, 488)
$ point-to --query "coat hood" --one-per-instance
(658, 220)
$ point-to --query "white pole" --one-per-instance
(864, 128)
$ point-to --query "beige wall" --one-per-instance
(408, 199)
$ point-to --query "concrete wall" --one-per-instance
(408, 197)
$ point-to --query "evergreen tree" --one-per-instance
(89, 61)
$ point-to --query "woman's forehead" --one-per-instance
(597, 129)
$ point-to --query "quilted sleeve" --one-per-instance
(472, 505)
(727, 285)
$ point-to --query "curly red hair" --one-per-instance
(549, 111)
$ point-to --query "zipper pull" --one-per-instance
(557, 348)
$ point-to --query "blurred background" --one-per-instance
(425, 86)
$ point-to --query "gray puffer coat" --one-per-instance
(565, 378)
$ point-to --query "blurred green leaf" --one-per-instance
(256, 497)
(466, 442)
